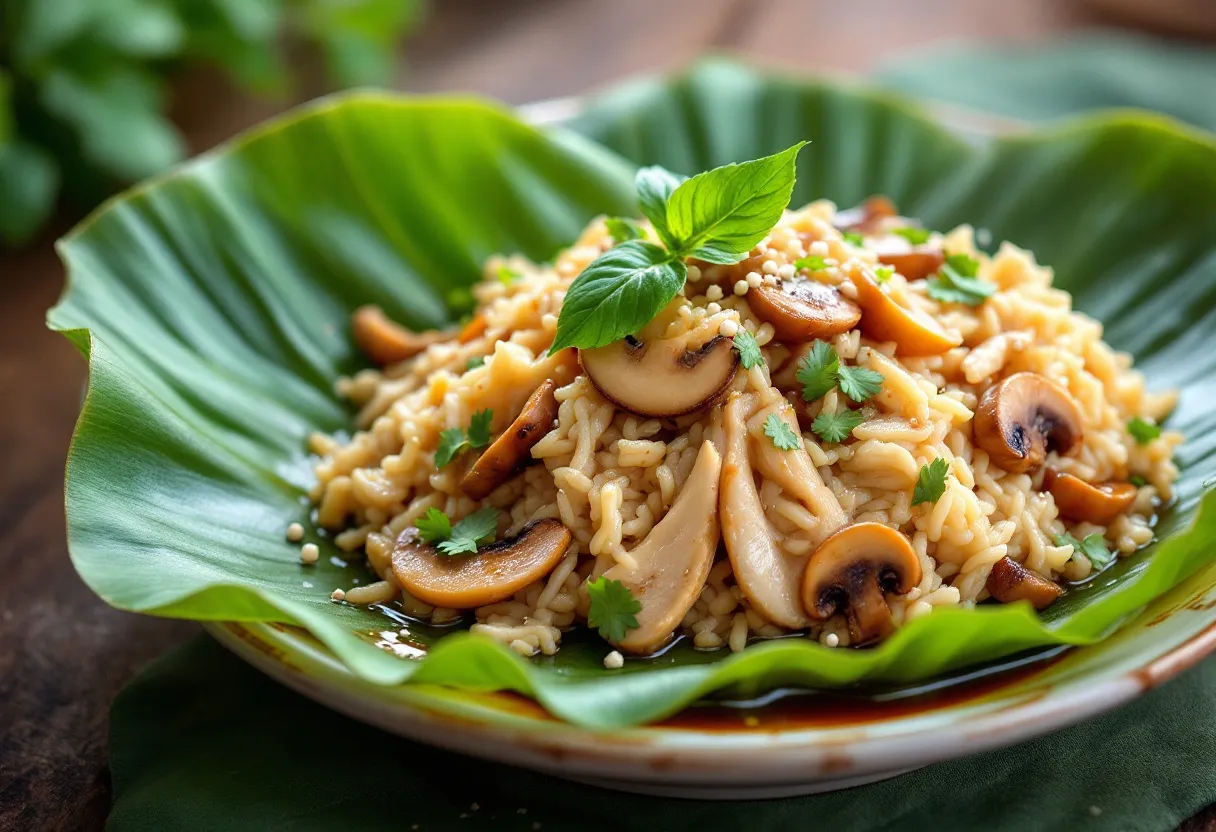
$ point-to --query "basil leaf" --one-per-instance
(719, 215)
(617, 294)
(655, 185)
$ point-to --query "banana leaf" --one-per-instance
(212, 304)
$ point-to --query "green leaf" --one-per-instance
(452, 442)
(655, 185)
(814, 263)
(859, 383)
(507, 275)
(29, 181)
(781, 434)
(623, 229)
(719, 215)
(817, 372)
(1137, 480)
(613, 608)
(957, 283)
(749, 350)
(1142, 430)
(1093, 547)
(144, 29)
(479, 527)
(434, 526)
(475, 362)
(617, 294)
(915, 236)
(883, 273)
(836, 427)
(931, 482)
(479, 428)
(853, 238)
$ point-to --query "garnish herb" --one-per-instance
(883, 273)
(931, 482)
(479, 428)
(613, 608)
(859, 383)
(1137, 480)
(478, 528)
(434, 526)
(624, 229)
(836, 427)
(854, 238)
(913, 235)
(474, 363)
(814, 263)
(749, 350)
(956, 282)
(1142, 430)
(821, 370)
(1093, 547)
(454, 441)
(716, 216)
(781, 434)
(507, 275)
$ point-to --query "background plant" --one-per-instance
(83, 82)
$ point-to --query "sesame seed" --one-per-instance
(295, 532)
(694, 273)
(337, 595)
(754, 279)
(713, 309)
(786, 271)
(769, 267)
(614, 660)
(832, 640)
(820, 248)
(741, 287)
(713, 293)
(309, 553)
(728, 329)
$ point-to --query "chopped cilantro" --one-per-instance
(931, 482)
(883, 273)
(613, 608)
(506, 275)
(836, 427)
(434, 526)
(451, 442)
(957, 282)
(853, 238)
(474, 363)
(479, 428)
(1143, 431)
(814, 263)
(1093, 547)
(817, 371)
(782, 435)
(749, 350)
(623, 229)
(913, 235)
(1137, 480)
(478, 528)
(859, 383)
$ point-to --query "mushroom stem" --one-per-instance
(1010, 581)
(385, 341)
(509, 452)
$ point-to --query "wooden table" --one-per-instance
(63, 654)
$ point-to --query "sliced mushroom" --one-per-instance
(512, 373)
(510, 451)
(867, 216)
(493, 574)
(673, 561)
(913, 262)
(1019, 420)
(385, 341)
(1078, 500)
(661, 378)
(852, 570)
(882, 319)
(802, 310)
(1010, 581)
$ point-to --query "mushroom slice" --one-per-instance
(385, 341)
(512, 373)
(1078, 500)
(1010, 581)
(1019, 420)
(673, 561)
(802, 310)
(882, 319)
(913, 262)
(867, 216)
(767, 575)
(661, 378)
(509, 452)
(494, 573)
(852, 570)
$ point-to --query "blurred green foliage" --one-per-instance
(83, 82)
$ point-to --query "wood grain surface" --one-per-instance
(64, 654)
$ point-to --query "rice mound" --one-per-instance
(610, 475)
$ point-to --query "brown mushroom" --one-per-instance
(673, 562)
(510, 451)
(661, 378)
(867, 216)
(494, 573)
(852, 570)
(1021, 419)
(385, 341)
(913, 262)
(882, 319)
(802, 310)
(1010, 581)
(1078, 500)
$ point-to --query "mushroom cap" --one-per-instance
(1010, 581)
(673, 562)
(1078, 500)
(1022, 418)
(851, 569)
(492, 574)
(385, 341)
(802, 310)
(661, 378)
(510, 451)
(882, 319)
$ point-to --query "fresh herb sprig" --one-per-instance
(783, 437)
(613, 608)
(1142, 430)
(931, 482)
(716, 216)
(749, 350)
(463, 538)
(836, 427)
(957, 282)
(454, 441)
(1093, 547)
(820, 370)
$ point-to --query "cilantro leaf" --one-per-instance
(507, 275)
(817, 371)
(963, 264)
(1137, 480)
(836, 427)
(478, 527)
(1093, 547)
(814, 263)
(749, 350)
(948, 286)
(613, 608)
(617, 294)
(655, 185)
(859, 383)
(434, 526)
(781, 434)
(624, 229)
(883, 273)
(479, 428)
(931, 482)
(853, 238)
(474, 363)
(1142, 430)
(913, 235)
(451, 442)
